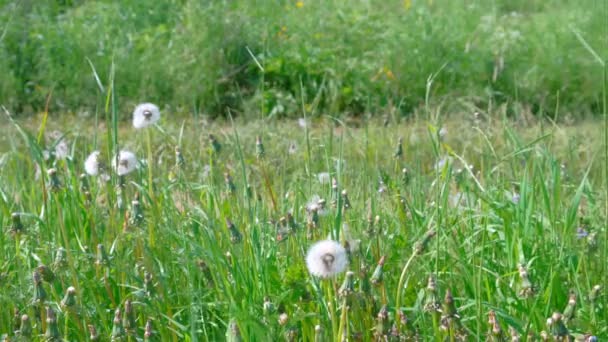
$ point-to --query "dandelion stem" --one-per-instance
(400, 285)
(343, 319)
(150, 184)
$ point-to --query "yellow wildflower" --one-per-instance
(300, 4)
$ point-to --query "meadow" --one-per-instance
(314, 171)
(477, 227)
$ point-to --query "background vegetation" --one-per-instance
(257, 57)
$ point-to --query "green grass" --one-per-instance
(203, 278)
(257, 58)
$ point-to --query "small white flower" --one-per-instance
(145, 115)
(92, 164)
(124, 163)
(323, 177)
(326, 259)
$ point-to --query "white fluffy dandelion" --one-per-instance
(62, 149)
(145, 114)
(323, 177)
(92, 164)
(316, 204)
(124, 163)
(326, 259)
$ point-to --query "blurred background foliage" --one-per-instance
(270, 58)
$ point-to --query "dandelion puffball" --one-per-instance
(124, 163)
(145, 114)
(92, 164)
(326, 259)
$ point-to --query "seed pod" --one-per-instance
(382, 324)
(345, 201)
(39, 292)
(93, 335)
(136, 217)
(148, 284)
(348, 286)
(527, 290)
(558, 329)
(60, 262)
(52, 330)
(148, 332)
(46, 273)
(595, 293)
(421, 245)
(54, 183)
(230, 187)
(364, 283)
(495, 329)
(378, 274)
(570, 308)
(268, 307)
(69, 300)
(399, 149)
(16, 226)
(259, 147)
(179, 158)
(431, 302)
(118, 331)
(216, 147)
(102, 256)
(128, 321)
(405, 176)
(235, 235)
(25, 330)
(319, 337)
(233, 334)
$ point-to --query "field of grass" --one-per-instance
(259, 58)
(469, 228)
(447, 178)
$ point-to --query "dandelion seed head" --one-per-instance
(124, 163)
(91, 164)
(145, 114)
(323, 177)
(62, 150)
(326, 259)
